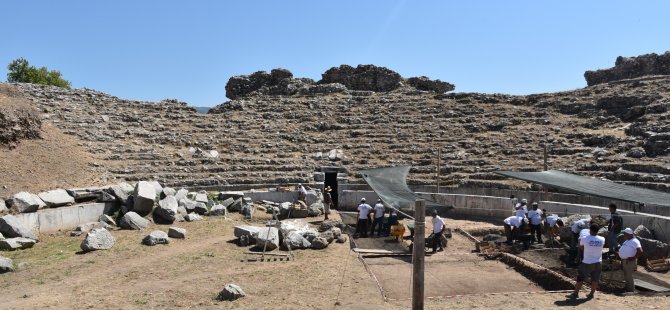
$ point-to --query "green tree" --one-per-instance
(22, 72)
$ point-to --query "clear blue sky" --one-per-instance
(151, 50)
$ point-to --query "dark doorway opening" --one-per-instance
(331, 180)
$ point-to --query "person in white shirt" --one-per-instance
(378, 219)
(363, 214)
(302, 192)
(512, 227)
(574, 244)
(438, 228)
(521, 208)
(553, 225)
(514, 202)
(592, 247)
(629, 251)
(535, 218)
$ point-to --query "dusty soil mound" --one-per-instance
(18, 120)
(54, 160)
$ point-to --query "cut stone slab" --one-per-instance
(218, 210)
(181, 194)
(107, 219)
(177, 233)
(156, 237)
(230, 194)
(118, 192)
(295, 240)
(126, 187)
(192, 217)
(231, 292)
(144, 198)
(168, 191)
(11, 227)
(167, 210)
(157, 186)
(245, 230)
(228, 202)
(134, 221)
(267, 238)
(97, 239)
(188, 204)
(25, 202)
(17, 243)
(6, 265)
(201, 197)
(200, 208)
(236, 205)
(56, 198)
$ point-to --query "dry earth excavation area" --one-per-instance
(278, 131)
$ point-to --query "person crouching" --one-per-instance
(512, 227)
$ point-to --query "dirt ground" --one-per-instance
(55, 161)
(189, 274)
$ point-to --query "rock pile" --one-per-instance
(292, 234)
(631, 67)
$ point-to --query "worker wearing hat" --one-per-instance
(629, 251)
(327, 201)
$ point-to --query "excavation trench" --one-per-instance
(457, 271)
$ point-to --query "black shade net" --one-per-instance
(390, 184)
(592, 186)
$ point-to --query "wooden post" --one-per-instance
(418, 254)
(546, 166)
(439, 154)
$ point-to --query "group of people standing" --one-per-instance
(586, 246)
(590, 251)
(379, 221)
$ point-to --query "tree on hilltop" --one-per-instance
(20, 71)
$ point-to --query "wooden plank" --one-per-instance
(271, 254)
(651, 287)
(377, 251)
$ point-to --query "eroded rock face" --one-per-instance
(424, 83)
(277, 82)
(363, 77)
(18, 124)
(631, 67)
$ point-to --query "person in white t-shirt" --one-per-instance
(553, 225)
(438, 228)
(378, 219)
(629, 251)
(592, 247)
(363, 215)
(535, 219)
(513, 225)
(574, 244)
(521, 208)
(302, 192)
(514, 202)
